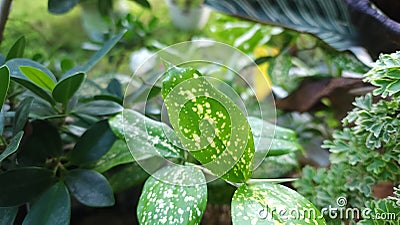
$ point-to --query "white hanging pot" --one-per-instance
(191, 18)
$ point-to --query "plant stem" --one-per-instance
(4, 12)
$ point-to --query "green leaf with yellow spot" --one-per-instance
(173, 195)
(269, 203)
(209, 124)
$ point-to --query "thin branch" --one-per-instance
(5, 11)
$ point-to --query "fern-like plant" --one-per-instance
(365, 152)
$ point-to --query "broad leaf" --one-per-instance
(35, 89)
(44, 142)
(99, 108)
(115, 88)
(4, 83)
(38, 77)
(272, 140)
(15, 72)
(12, 146)
(146, 137)
(93, 144)
(52, 208)
(7, 215)
(268, 203)
(90, 188)
(117, 155)
(61, 6)
(129, 175)
(209, 124)
(173, 195)
(21, 185)
(17, 50)
(22, 114)
(66, 88)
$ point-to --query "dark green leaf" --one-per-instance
(99, 108)
(93, 144)
(22, 185)
(117, 155)
(66, 88)
(209, 124)
(129, 175)
(4, 83)
(173, 195)
(96, 56)
(38, 77)
(52, 208)
(143, 3)
(276, 166)
(61, 6)
(115, 88)
(17, 50)
(90, 188)
(7, 215)
(35, 89)
(268, 203)
(105, 7)
(44, 142)
(146, 137)
(12, 146)
(66, 64)
(14, 65)
(22, 114)
(111, 98)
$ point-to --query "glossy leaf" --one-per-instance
(272, 140)
(61, 6)
(12, 146)
(38, 77)
(15, 72)
(99, 108)
(52, 208)
(22, 114)
(90, 188)
(115, 88)
(107, 46)
(173, 195)
(209, 124)
(129, 175)
(22, 185)
(44, 142)
(7, 215)
(93, 144)
(4, 83)
(268, 203)
(143, 3)
(117, 155)
(17, 50)
(35, 89)
(66, 88)
(146, 137)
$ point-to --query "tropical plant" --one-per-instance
(366, 151)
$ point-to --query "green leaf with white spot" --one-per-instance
(173, 195)
(118, 154)
(146, 137)
(209, 124)
(268, 203)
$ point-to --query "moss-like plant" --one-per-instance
(366, 151)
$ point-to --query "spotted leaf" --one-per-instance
(209, 124)
(145, 137)
(173, 195)
(268, 203)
